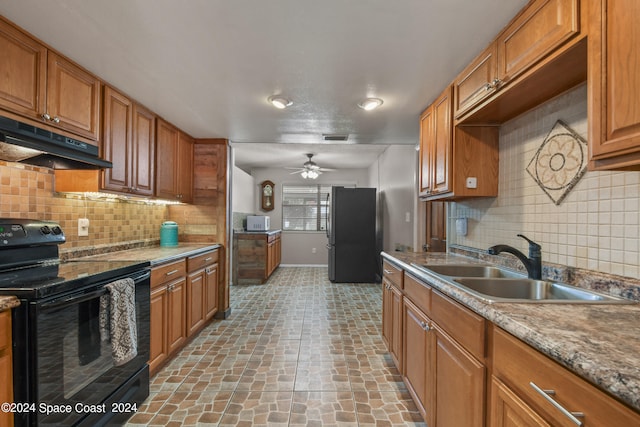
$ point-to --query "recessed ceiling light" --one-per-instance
(369, 104)
(279, 101)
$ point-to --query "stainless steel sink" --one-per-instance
(529, 290)
(469, 270)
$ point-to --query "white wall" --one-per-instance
(244, 191)
(298, 246)
(394, 174)
(596, 227)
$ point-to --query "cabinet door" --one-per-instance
(185, 168)
(6, 368)
(158, 349)
(542, 27)
(143, 151)
(195, 301)
(614, 84)
(476, 82)
(459, 386)
(436, 226)
(23, 69)
(211, 291)
(426, 136)
(396, 322)
(116, 141)
(166, 160)
(442, 143)
(387, 311)
(177, 302)
(508, 410)
(73, 97)
(417, 357)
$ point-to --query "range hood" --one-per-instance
(24, 143)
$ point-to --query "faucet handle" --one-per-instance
(534, 248)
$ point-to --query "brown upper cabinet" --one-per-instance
(537, 56)
(43, 86)
(614, 85)
(174, 163)
(129, 143)
(456, 162)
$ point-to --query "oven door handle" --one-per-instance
(74, 299)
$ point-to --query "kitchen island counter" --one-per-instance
(598, 342)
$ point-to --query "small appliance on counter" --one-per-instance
(169, 234)
(258, 223)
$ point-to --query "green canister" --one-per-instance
(169, 234)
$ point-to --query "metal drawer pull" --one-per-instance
(208, 259)
(547, 395)
(387, 271)
(172, 272)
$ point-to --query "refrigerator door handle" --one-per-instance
(328, 246)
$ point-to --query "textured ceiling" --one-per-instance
(208, 66)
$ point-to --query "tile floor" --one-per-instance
(296, 351)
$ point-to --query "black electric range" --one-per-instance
(63, 357)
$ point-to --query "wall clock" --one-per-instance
(267, 199)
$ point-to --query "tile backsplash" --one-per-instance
(28, 192)
(597, 225)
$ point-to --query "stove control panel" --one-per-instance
(24, 232)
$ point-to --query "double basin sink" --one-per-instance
(494, 284)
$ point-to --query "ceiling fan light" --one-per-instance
(279, 101)
(369, 104)
(305, 174)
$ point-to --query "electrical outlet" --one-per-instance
(83, 227)
(313, 250)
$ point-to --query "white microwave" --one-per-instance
(258, 223)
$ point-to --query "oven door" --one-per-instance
(72, 365)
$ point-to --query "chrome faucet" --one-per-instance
(533, 263)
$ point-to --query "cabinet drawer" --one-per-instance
(541, 27)
(197, 262)
(462, 324)
(5, 329)
(521, 367)
(418, 292)
(393, 273)
(167, 272)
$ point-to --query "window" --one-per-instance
(304, 207)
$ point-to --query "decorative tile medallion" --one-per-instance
(560, 162)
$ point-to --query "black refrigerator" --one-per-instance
(351, 229)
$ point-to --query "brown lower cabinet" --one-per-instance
(184, 297)
(462, 370)
(446, 381)
(6, 367)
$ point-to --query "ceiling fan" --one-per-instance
(310, 169)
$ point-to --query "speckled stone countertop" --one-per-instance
(8, 302)
(156, 254)
(598, 342)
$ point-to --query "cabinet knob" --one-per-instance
(45, 116)
(56, 120)
(496, 83)
(488, 87)
(425, 326)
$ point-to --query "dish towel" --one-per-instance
(118, 320)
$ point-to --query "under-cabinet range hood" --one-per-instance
(24, 143)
